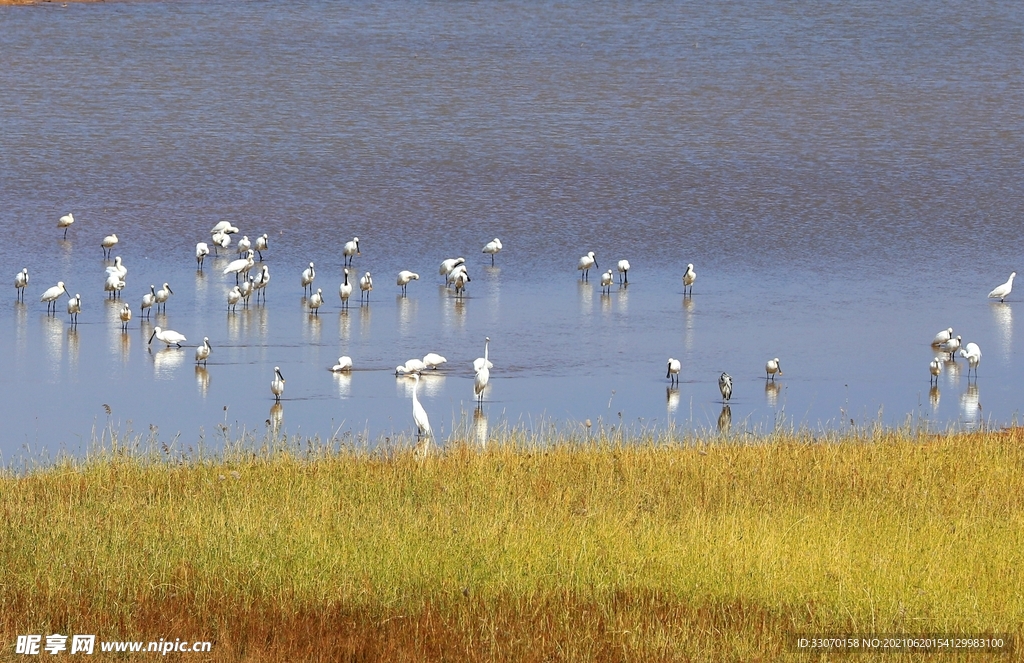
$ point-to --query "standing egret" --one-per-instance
(1003, 291)
(203, 351)
(20, 281)
(345, 290)
(277, 384)
(316, 300)
(689, 276)
(606, 282)
(365, 286)
(674, 366)
(344, 364)
(483, 361)
(167, 336)
(74, 308)
(584, 265)
(404, 277)
(223, 227)
(725, 386)
(261, 245)
(148, 300)
(419, 415)
(492, 247)
(433, 360)
(244, 244)
(260, 284)
(240, 266)
(234, 296)
(973, 354)
(108, 244)
(306, 279)
(351, 249)
(126, 317)
(483, 376)
(771, 368)
(951, 346)
(935, 367)
(624, 271)
(448, 265)
(162, 295)
(114, 284)
(65, 223)
(942, 337)
(202, 250)
(51, 294)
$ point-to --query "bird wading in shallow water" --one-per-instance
(771, 368)
(725, 386)
(1001, 292)
(493, 247)
(674, 366)
(689, 276)
(585, 263)
(277, 384)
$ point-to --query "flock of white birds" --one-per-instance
(456, 275)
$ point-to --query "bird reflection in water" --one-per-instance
(166, 361)
(586, 293)
(725, 420)
(480, 427)
(276, 418)
(406, 314)
(73, 348)
(971, 407)
(771, 393)
(202, 380)
(934, 396)
(1002, 314)
(343, 382)
(344, 324)
(672, 397)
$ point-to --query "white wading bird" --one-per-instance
(448, 265)
(351, 249)
(973, 355)
(108, 244)
(316, 300)
(234, 296)
(935, 368)
(689, 276)
(412, 366)
(167, 336)
(244, 244)
(480, 362)
(584, 265)
(674, 366)
(220, 241)
(203, 351)
(148, 300)
(419, 415)
(365, 286)
(623, 271)
(126, 316)
(483, 376)
(951, 346)
(74, 308)
(433, 360)
(277, 384)
(306, 279)
(492, 247)
(20, 281)
(114, 285)
(240, 266)
(223, 227)
(246, 289)
(404, 277)
(725, 386)
(202, 250)
(771, 368)
(344, 364)
(942, 337)
(162, 295)
(65, 223)
(51, 294)
(117, 268)
(345, 290)
(606, 282)
(1003, 291)
(260, 283)
(261, 245)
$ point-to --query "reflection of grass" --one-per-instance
(565, 550)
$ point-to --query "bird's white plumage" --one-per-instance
(674, 366)
(771, 367)
(240, 266)
(344, 364)
(623, 268)
(203, 351)
(942, 337)
(223, 227)
(277, 384)
(1001, 292)
(419, 415)
(586, 262)
(167, 336)
(433, 360)
(316, 300)
(483, 362)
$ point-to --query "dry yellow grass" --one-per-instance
(561, 549)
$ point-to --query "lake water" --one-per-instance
(846, 178)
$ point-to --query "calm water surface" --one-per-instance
(846, 178)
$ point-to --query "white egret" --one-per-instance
(65, 223)
(203, 351)
(725, 386)
(584, 265)
(148, 300)
(162, 295)
(942, 337)
(74, 308)
(404, 277)
(20, 281)
(419, 415)
(344, 364)
(345, 290)
(492, 247)
(481, 362)
(606, 282)
(114, 285)
(1003, 291)
(108, 244)
(51, 295)
(167, 336)
(223, 227)
(689, 276)
(260, 283)
(306, 279)
(433, 360)
(448, 265)
(202, 250)
(316, 300)
(244, 244)
(365, 286)
(674, 366)
(240, 266)
(771, 368)
(483, 376)
(973, 355)
(234, 296)
(277, 384)
(126, 316)
(261, 245)
(951, 346)
(623, 271)
(351, 249)
(935, 368)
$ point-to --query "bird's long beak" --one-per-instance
(668, 372)
(595, 264)
(66, 292)
(151, 338)
(169, 290)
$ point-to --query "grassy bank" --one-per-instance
(570, 550)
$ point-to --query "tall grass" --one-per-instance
(563, 547)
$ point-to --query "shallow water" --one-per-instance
(845, 178)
